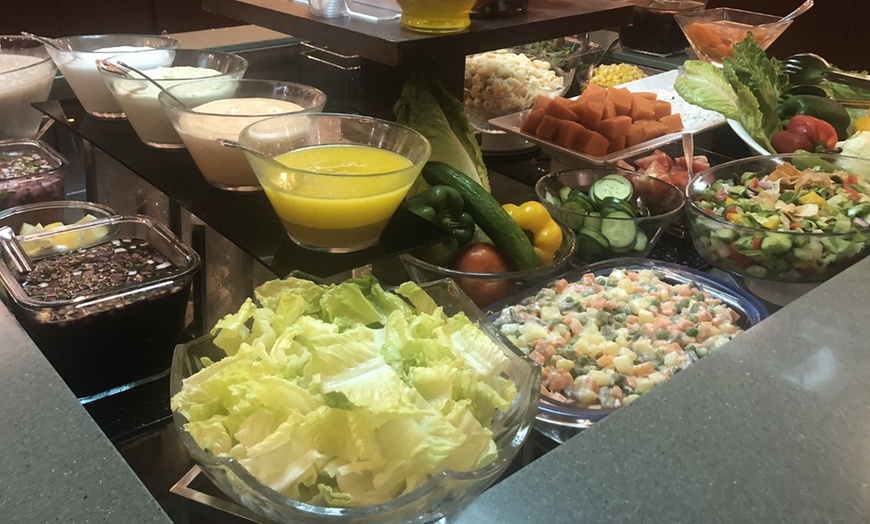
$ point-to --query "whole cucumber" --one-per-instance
(488, 214)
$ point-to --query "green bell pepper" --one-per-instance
(444, 206)
(821, 107)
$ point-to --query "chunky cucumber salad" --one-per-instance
(604, 218)
(792, 224)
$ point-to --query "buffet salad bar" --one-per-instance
(351, 399)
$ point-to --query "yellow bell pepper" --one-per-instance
(533, 217)
(812, 198)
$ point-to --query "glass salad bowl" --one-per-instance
(795, 226)
(607, 228)
(712, 33)
(623, 366)
(505, 81)
(439, 496)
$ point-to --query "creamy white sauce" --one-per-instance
(23, 79)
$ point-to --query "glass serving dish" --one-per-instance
(26, 76)
(505, 81)
(107, 309)
(56, 213)
(436, 500)
(485, 288)
(659, 204)
(77, 59)
(30, 171)
(138, 97)
(559, 420)
(773, 254)
(712, 33)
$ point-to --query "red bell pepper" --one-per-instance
(805, 132)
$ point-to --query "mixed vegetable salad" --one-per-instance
(789, 224)
(604, 340)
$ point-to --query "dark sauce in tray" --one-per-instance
(27, 178)
(118, 339)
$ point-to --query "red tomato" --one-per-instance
(481, 257)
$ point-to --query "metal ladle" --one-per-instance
(799, 10)
(255, 155)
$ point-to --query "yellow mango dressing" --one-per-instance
(338, 197)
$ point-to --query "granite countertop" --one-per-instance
(772, 429)
(55, 463)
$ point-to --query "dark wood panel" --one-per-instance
(79, 17)
(175, 16)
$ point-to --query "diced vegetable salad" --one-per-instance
(604, 340)
(833, 208)
(348, 395)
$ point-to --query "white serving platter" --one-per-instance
(695, 120)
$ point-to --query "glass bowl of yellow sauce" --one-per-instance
(335, 180)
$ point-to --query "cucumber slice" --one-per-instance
(579, 196)
(615, 204)
(641, 240)
(614, 185)
(564, 191)
(593, 221)
(619, 229)
(574, 214)
(591, 245)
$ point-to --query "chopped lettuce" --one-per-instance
(746, 89)
(347, 395)
(429, 108)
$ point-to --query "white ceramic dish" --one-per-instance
(740, 131)
(663, 85)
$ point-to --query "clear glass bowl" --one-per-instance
(440, 497)
(26, 76)
(340, 177)
(713, 32)
(77, 60)
(663, 202)
(486, 288)
(714, 237)
(560, 421)
(30, 171)
(138, 97)
(103, 338)
(245, 101)
(506, 81)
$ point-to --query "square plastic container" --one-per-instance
(108, 314)
(30, 171)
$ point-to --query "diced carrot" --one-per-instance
(594, 93)
(597, 145)
(605, 361)
(614, 127)
(661, 108)
(646, 95)
(590, 384)
(568, 132)
(558, 108)
(621, 99)
(653, 129)
(542, 101)
(609, 110)
(641, 108)
(582, 141)
(616, 144)
(533, 120)
(644, 369)
(635, 134)
(548, 128)
(592, 114)
(673, 123)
